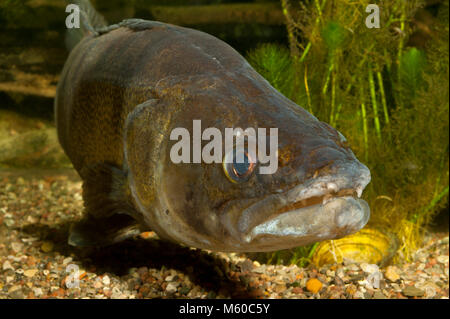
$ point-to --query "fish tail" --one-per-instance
(90, 22)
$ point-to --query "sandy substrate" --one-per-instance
(35, 261)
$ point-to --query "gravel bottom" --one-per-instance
(36, 262)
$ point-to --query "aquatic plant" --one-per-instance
(388, 98)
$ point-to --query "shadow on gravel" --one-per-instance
(204, 269)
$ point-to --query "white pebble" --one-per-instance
(443, 259)
(171, 288)
(67, 260)
(37, 292)
(7, 265)
(369, 268)
(106, 281)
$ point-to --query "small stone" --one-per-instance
(279, 288)
(411, 291)
(171, 288)
(16, 294)
(378, 295)
(98, 284)
(297, 290)
(184, 290)
(47, 247)
(7, 265)
(106, 281)
(67, 260)
(359, 295)
(169, 278)
(116, 293)
(37, 292)
(9, 222)
(369, 268)
(392, 273)
(30, 272)
(260, 270)
(17, 247)
(443, 259)
(314, 285)
(14, 288)
(246, 265)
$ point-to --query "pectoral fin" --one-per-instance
(109, 213)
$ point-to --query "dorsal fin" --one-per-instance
(90, 20)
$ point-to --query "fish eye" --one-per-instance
(238, 171)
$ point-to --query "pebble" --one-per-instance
(391, 273)
(171, 288)
(37, 292)
(47, 247)
(17, 247)
(313, 285)
(369, 268)
(30, 272)
(67, 261)
(98, 284)
(443, 259)
(378, 295)
(411, 291)
(7, 265)
(106, 281)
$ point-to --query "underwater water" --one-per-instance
(385, 89)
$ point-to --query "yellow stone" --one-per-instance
(314, 285)
(30, 272)
(47, 247)
(392, 273)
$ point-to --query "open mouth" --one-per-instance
(322, 208)
(314, 200)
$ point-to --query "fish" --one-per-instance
(125, 87)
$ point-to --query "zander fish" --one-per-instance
(125, 87)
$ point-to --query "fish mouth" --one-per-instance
(326, 207)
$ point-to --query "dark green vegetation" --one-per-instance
(385, 89)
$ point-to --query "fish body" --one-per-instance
(126, 87)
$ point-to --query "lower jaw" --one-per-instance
(337, 218)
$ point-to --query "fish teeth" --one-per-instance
(326, 199)
(332, 187)
(359, 191)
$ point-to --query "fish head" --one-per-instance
(312, 195)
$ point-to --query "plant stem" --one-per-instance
(365, 130)
(333, 96)
(327, 79)
(383, 97)
(350, 84)
(374, 104)
(308, 95)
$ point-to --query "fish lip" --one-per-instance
(349, 214)
(353, 175)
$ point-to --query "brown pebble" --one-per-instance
(411, 291)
